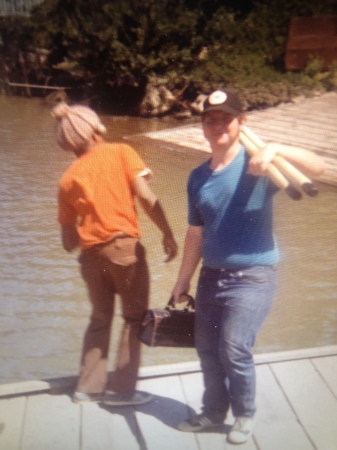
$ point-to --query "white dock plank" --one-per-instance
(158, 420)
(11, 422)
(311, 399)
(107, 428)
(296, 400)
(327, 367)
(276, 426)
(52, 423)
(193, 389)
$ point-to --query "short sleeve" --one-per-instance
(194, 217)
(133, 163)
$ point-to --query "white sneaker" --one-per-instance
(82, 397)
(242, 430)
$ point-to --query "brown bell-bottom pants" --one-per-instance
(119, 267)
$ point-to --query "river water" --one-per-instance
(44, 308)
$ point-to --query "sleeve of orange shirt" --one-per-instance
(134, 164)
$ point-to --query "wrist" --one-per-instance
(167, 234)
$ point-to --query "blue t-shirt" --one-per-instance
(235, 210)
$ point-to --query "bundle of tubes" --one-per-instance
(280, 171)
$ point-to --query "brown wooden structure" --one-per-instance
(311, 36)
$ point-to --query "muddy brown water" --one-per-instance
(44, 308)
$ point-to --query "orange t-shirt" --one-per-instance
(95, 193)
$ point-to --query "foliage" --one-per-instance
(190, 45)
(314, 75)
(122, 42)
(15, 33)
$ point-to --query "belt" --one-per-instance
(119, 235)
(236, 272)
(115, 236)
(226, 272)
(231, 273)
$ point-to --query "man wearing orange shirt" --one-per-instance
(97, 213)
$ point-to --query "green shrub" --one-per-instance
(122, 41)
(193, 46)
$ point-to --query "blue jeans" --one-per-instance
(231, 307)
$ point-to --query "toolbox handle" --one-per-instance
(189, 300)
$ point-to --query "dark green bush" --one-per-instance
(192, 46)
(122, 41)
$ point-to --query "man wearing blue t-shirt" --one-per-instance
(230, 204)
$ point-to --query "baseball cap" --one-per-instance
(228, 102)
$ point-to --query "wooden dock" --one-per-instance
(308, 123)
(296, 400)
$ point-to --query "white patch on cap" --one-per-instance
(217, 98)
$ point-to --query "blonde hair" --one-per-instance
(75, 125)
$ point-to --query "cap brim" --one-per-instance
(223, 108)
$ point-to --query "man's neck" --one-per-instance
(222, 156)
